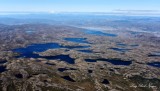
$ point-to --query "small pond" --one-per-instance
(105, 81)
(2, 68)
(68, 78)
(90, 71)
(64, 69)
(18, 75)
(50, 64)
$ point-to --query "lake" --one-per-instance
(154, 64)
(68, 78)
(86, 51)
(155, 54)
(77, 40)
(29, 52)
(112, 61)
(2, 68)
(98, 33)
(120, 49)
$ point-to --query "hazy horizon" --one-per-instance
(78, 5)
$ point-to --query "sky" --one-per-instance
(77, 5)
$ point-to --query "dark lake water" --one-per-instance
(154, 64)
(2, 68)
(112, 61)
(29, 51)
(37, 48)
(64, 69)
(125, 45)
(65, 58)
(105, 81)
(99, 33)
(3, 61)
(85, 51)
(120, 44)
(19, 76)
(50, 64)
(90, 71)
(73, 47)
(90, 60)
(155, 54)
(135, 45)
(120, 49)
(77, 40)
(68, 78)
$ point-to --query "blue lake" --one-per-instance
(120, 44)
(154, 64)
(77, 40)
(112, 61)
(28, 52)
(99, 33)
(37, 48)
(155, 54)
(120, 49)
(125, 45)
(135, 45)
(85, 51)
(72, 47)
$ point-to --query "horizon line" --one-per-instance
(114, 12)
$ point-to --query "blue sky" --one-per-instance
(77, 5)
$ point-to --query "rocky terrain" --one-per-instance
(115, 61)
